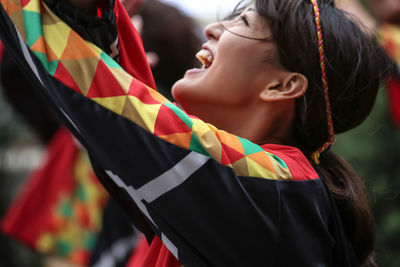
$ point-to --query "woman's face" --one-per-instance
(235, 67)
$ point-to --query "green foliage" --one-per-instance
(373, 149)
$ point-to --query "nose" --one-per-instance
(213, 31)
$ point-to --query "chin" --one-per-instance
(178, 92)
(182, 90)
(174, 89)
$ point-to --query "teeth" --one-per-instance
(205, 57)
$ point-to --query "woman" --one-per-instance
(283, 87)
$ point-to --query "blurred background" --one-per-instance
(373, 149)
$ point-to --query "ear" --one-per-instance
(292, 85)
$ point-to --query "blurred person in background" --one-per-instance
(170, 40)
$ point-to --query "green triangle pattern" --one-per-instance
(277, 159)
(109, 61)
(249, 147)
(196, 146)
(51, 66)
(34, 22)
(42, 57)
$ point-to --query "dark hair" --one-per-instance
(355, 67)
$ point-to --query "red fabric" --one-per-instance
(393, 86)
(132, 57)
(166, 123)
(102, 76)
(299, 166)
(234, 155)
(28, 215)
(63, 74)
(143, 95)
(139, 253)
(2, 50)
(155, 255)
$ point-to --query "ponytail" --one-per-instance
(350, 196)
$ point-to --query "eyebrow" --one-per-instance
(249, 9)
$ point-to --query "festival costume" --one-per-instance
(212, 198)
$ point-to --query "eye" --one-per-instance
(244, 19)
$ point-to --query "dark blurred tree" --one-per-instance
(373, 149)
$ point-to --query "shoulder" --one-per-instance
(293, 159)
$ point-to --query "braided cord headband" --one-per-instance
(315, 156)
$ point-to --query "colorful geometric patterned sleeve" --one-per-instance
(192, 182)
(91, 72)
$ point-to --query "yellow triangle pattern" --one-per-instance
(282, 173)
(33, 6)
(82, 71)
(255, 170)
(115, 104)
(211, 144)
(56, 36)
(96, 50)
(262, 159)
(148, 113)
(207, 138)
(241, 167)
(200, 128)
(49, 17)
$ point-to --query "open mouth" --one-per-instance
(205, 57)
